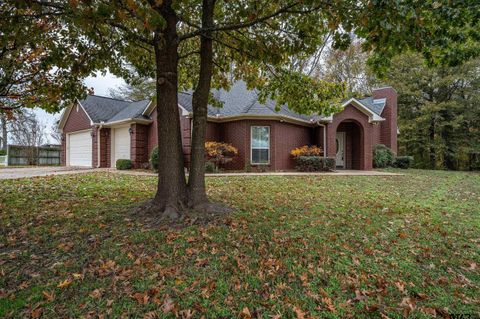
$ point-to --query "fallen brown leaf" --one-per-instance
(245, 313)
(36, 313)
(64, 284)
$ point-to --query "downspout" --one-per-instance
(324, 141)
(98, 144)
(324, 138)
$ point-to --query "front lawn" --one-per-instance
(297, 247)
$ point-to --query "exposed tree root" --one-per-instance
(156, 216)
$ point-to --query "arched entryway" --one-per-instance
(349, 143)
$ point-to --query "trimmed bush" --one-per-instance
(382, 156)
(314, 164)
(154, 159)
(124, 164)
(403, 161)
(3, 152)
(210, 167)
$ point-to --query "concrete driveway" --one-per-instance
(25, 172)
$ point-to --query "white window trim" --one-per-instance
(251, 145)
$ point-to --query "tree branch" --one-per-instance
(241, 25)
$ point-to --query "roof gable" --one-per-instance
(101, 109)
(81, 118)
(372, 116)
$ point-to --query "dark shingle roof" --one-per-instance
(237, 101)
(241, 101)
(105, 109)
(376, 106)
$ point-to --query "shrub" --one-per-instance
(382, 156)
(154, 159)
(403, 161)
(3, 152)
(219, 153)
(262, 167)
(124, 164)
(314, 164)
(210, 167)
(307, 151)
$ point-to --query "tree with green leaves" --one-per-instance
(203, 44)
(43, 60)
(439, 111)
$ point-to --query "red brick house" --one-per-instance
(99, 130)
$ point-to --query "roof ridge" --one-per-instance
(248, 107)
(111, 98)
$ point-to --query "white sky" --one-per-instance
(100, 84)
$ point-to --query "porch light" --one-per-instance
(130, 131)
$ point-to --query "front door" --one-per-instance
(340, 156)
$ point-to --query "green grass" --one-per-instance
(331, 247)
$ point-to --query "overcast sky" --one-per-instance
(100, 84)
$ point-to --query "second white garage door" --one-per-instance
(121, 144)
(80, 149)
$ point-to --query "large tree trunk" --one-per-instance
(196, 182)
(171, 197)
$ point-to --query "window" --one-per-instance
(260, 144)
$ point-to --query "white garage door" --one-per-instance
(121, 143)
(80, 149)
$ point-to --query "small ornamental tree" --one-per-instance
(307, 151)
(220, 153)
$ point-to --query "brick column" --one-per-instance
(63, 152)
(331, 136)
(105, 148)
(94, 135)
(139, 145)
(388, 128)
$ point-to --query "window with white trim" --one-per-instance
(260, 144)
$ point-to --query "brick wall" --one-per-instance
(139, 145)
(287, 137)
(152, 140)
(236, 134)
(283, 138)
(103, 135)
(63, 150)
(213, 131)
(95, 131)
(388, 128)
(105, 147)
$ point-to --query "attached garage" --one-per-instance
(79, 149)
(121, 144)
